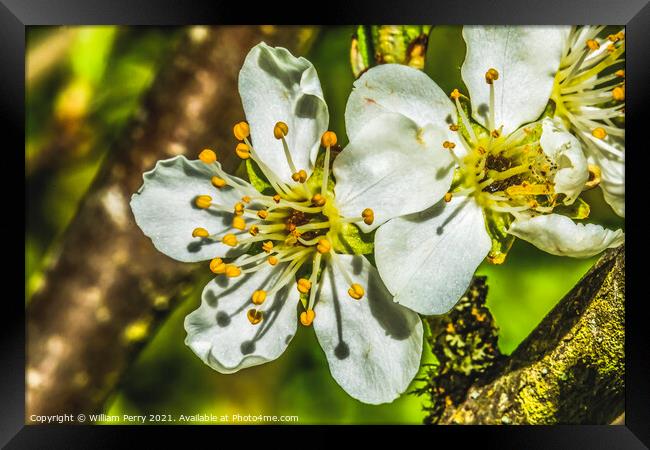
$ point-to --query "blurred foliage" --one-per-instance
(84, 84)
(77, 106)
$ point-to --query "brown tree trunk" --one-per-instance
(109, 288)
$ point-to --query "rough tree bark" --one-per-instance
(569, 370)
(109, 288)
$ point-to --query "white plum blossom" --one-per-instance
(518, 173)
(589, 96)
(289, 231)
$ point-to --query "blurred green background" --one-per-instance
(83, 86)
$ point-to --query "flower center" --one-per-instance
(298, 225)
(588, 92)
(507, 177)
(503, 173)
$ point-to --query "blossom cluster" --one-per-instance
(358, 241)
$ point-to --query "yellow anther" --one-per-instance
(273, 260)
(620, 35)
(267, 246)
(318, 200)
(208, 156)
(612, 37)
(232, 271)
(243, 151)
(218, 182)
(254, 230)
(496, 133)
(453, 127)
(618, 93)
(481, 150)
(304, 285)
(276, 198)
(239, 209)
(290, 227)
(324, 246)
(203, 201)
(611, 48)
(254, 316)
(328, 139)
(620, 73)
(448, 144)
(229, 239)
(280, 130)
(300, 176)
(528, 189)
(599, 133)
(200, 232)
(594, 176)
(239, 223)
(356, 291)
(217, 266)
(491, 75)
(246, 199)
(241, 131)
(448, 197)
(307, 317)
(258, 297)
(262, 214)
(593, 44)
(455, 94)
(368, 216)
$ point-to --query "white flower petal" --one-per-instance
(559, 235)
(275, 86)
(400, 89)
(165, 211)
(222, 336)
(526, 57)
(613, 183)
(565, 150)
(373, 345)
(609, 155)
(427, 260)
(393, 167)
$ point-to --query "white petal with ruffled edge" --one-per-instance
(373, 345)
(427, 260)
(613, 182)
(399, 89)
(565, 150)
(219, 331)
(393, 167)
(609, 155)
(165, 211)
(526, 57)
(559, 235)
(275, 86)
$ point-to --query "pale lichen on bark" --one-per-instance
(569, 370)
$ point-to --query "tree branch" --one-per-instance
(109, 288)
(570, 369)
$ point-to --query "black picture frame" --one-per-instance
(16, 15)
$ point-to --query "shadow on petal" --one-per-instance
(342, 349)
(388, 314)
